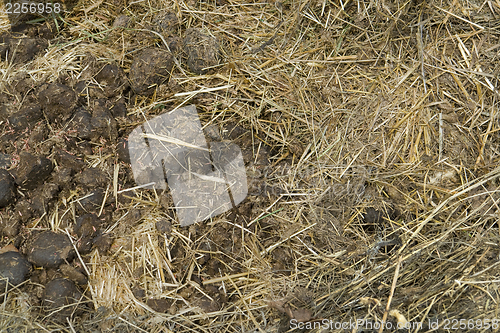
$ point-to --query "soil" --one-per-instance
(64, 124)
(7, 188)
(14, 268)
(26, 117)
(203, 51)
(151, 67)
(111, 79)
(62, 299)
(70, 218)
(166, 23)
(33, 170)
(57, 100)
(87, 229)
(164, 226)
(19, 49)
(73, 274)
(50, 250)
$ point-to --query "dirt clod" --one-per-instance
(57, 100)
(139, 293)
(67, 160)
(26, 117)
(82, 123)
(91, 201)
(42, 199)
(91, 178)
(161, 305)
(73, 274)
(102, 243)
(33, 170)
(9, 227)
(86, 225)
(19, 49)
(203, 51)
(111, 79)
(151, 68)
(14, 268)
(23, 210)
(103, 123)
(119, 109)
(7, 188)
(61, 298)
(122, 150)
(49, 249)
(87, 228)
(206, 304)
(164, 226)
(165, 23)
(175, 46)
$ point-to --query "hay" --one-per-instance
(364, 104)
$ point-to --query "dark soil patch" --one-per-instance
(73, 274)
(26, 117)
(49, 249)
(7, 188)
(54, 137)
(102, 122)
(112, 80)
(203, 51)
(82, 123)
(164, 226)
(57, 100)
(166, 23)
(87, 229)
(62, 299)
(151, 67)
(20, 49)
(33, 170)
(161, 305)
(14, 270)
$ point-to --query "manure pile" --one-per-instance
(368, 132)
